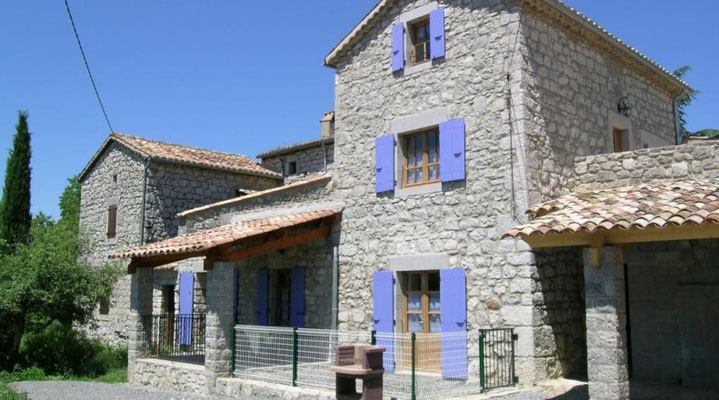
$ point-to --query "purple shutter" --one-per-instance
(453, 309)
(297, 298)
(397, 47)
(384, 163)
(184, 319)
(451, 150)
(436, 33)
(263, 297)
(383, 308)
(235, 288)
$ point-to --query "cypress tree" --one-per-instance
(15, 218)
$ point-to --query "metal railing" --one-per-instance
(496, 358)
(417, 366)
(176, 337)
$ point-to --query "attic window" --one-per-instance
(419, 35)
(111, 221)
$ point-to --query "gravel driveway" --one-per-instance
(65, 390)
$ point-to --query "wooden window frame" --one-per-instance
(413, 26)
(425, 158)
(424, 291)
(112, 221)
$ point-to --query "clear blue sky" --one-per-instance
(240, 76)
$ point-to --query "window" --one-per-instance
(421, 305)
(419, 37)
(421, 158)
(104, 306)
(111, 221)
(168, 299)
(282, 300)
(114, 178)
(292, 168)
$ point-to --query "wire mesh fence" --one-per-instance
(416, 365)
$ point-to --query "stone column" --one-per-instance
(140, 305)
(219, 323)
(606, 324)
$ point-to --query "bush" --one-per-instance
(61, 350)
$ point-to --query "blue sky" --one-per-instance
(240, 76)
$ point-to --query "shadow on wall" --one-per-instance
(561, 282)
(576, 393)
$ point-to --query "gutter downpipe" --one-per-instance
(144, 196)
(335, 280)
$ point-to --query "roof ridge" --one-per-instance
(120, 135)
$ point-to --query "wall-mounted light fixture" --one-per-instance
(623, 106)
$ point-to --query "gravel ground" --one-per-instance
(65, 390)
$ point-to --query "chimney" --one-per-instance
(327, 125)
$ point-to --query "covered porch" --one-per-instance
(650, 257)
(265, 268)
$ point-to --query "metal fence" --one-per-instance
(417, 366)
(496, 358)
(176, 337)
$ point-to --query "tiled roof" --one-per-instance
(295, 146)
(175, 153)
(654, 204)
(206, 239)
(256, 195)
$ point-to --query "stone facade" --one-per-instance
(319, 157)
(168, 375)
(116, 178)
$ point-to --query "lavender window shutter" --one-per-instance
(297, 298)
(384, 163)
(453, 309)
(451, 150)
(436, 33)
(263, 297)
(184, 319)
(397, 47)
(383, 308)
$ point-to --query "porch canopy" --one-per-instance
(254, 235)
(650, 212)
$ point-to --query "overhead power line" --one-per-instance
(87, 66)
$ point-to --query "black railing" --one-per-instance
(496, 358)
(176, 337)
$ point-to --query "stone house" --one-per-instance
(451, 119)
(132, 189)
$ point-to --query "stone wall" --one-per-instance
(308, 160)
(673, 289)
(174, 188)
(167, 375)
(687, 162)
(99, 190)
(572, 92)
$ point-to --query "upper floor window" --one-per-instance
(421, 158)
(419, 37)
(112, 221)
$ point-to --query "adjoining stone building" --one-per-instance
(451, 118)
(132, 190)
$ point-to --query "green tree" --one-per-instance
(684, 100)
(44, 281)
(15, 218)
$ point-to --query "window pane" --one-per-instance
(435, 324)
(420, 142)
(432, 139)
(414, 302)
(432, 155)
(434, 302)
(410, 159)
(421, 33)
(432, 173)
(415, 323)
(414, 282)
(433, 281)
(410, 176)
(418, 176)
(418, 158)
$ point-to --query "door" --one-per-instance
(421, 314)
(697, 316)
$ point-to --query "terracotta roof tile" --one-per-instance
(657, 204)
(208, 238)
(192, 155)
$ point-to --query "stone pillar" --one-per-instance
(219, 323)
(140, 305)
(606, 324)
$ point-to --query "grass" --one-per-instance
(117, 375)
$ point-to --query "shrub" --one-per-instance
(61, 350)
